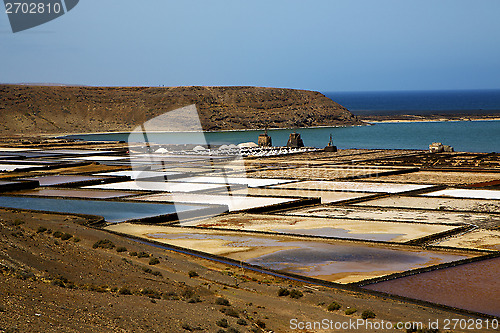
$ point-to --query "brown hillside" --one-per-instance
(65, 109)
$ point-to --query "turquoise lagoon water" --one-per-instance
(472, 136)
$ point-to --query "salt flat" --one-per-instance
(250, 182)
(466, 193)
(235, 203)
(326, 227)
(438, 203)
(354, 186)
(442, 177)
(327, 259)
(134, 174)
(157, 186)
(399, 215)
(326, 196)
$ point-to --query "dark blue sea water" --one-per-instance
(419, 102)
(473, 136)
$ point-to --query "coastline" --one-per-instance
(408, 118)
(429, 120)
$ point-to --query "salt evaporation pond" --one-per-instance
(330, 260)
(437, 203)
(76, 193)
(466, 193)
(64, 179)
(324, 227)
(395, 215)
(112, 211)
(354, 186)
(474, 286)
(234, 203)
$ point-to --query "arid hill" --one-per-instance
(76, 109)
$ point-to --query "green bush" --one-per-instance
(368, 314)
(222, 301)
(283, 292)
(99, 289)
(121, 249)
(187, 327)
(66, 236)
(230, 312)
(132, 254)
(334, 306)
(195, 299)
(154, 261)
(193, 274)
(147, 270)
(17, 222)
(222, 323)
(41, 229)
(350, 311)
(260, 323)
(124, 291)
(142, 255)
(104, 244)
(157, 273)
(296, 293)
(151, 293)
(57, 234)
(242, 322)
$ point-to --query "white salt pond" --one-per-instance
(330, 260)
(325, 227)
(158, 186)
(235, 203)
(354, 186)
(466, 193)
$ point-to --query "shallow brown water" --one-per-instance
(474, 286)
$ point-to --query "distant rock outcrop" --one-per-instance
(26, 109)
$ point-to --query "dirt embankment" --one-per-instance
(69, 109)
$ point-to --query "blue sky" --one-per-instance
(326, 45)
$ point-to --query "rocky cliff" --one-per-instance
(77, 109)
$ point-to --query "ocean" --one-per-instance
(472, 136)
(419, 102)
